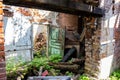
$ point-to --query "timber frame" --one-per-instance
(65, 6)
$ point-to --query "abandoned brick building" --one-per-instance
(97, 21)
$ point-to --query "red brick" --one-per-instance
(1, 11)
(2, 70)
(1, 17)
(1, 4)
(1, 35)
(3, 75)
(1, 23)
(1, 47)
(3, 78)
(2, 64)
(1, 30)
(2, 58)
(2, 53)
(1, 41)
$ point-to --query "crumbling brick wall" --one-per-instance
(116, 62)
(102, 46)
(2, 53)
(92, 47)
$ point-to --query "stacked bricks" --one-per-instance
(92, 47)
(2, 53)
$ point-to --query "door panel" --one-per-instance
(56, 40)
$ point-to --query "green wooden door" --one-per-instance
(56, 40)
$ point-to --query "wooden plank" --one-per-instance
(65, 6)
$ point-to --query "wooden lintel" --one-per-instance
(65, 6)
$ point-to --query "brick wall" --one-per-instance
(70, 22)
(92, 47)
(2, 53)
(109, 47)
(102, 42)
(117, 36)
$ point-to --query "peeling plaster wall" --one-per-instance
(107, 48)
(18, 36)
(22, 25)
(40, 30)
(41, 27)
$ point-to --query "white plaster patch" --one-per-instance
(9, 32)
(112, 21)
(105, 66)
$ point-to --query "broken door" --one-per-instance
(56, 40)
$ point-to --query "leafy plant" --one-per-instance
(40, 52)
(33, 67)
(37, 62)
(84, 77)
(13, 63)
(69, 73)
(55, 58)
(115, 75)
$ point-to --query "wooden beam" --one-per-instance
(65, 6)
